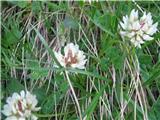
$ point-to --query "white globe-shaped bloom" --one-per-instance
(138, 30)
(73, 57)
(20, 106)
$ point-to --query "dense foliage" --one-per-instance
(120, 81)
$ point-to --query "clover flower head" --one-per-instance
(138, 30)
(73, 57)
(20, 106)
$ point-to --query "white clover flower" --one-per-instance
(138, 30)
(73, 57)
(20, 106)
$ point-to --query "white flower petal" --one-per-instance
(138, 30)
(123, 33)
(149, 19)
(124, 26)
(22, 93)
(138, 38)
(152, 29)
(145, 27)
(131, 34)
(21, 118)
(16, 96)
(147, 37)
(27, 113)
(132, 15)
(14, 110)
(143, 18)
(7, 110)
(36, 108)
(60, 59)
(133, 40)
(72, 47)
(9, 100)
(33, 117)
(11, 118)
(136, 25)
(20, 106)
(137, 44)
(125, 19)
(72, 57)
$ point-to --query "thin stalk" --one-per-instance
(74, 95)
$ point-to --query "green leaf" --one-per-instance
(61, 83)
(154, 112)
(48, 106)
(52, 100)
(38, 71)
(145, 75)
(6, 59)
(47, 47)
(93, 104)
(38, 74)
(70, 22)
(40, 94)
(91, 74)
(21, 4)
(105, 22)
(96, 75)
(14, 86)
(53, 6)
(115, 57)
(12, 35)
(155, 75)
(104, 64)
(36, 6)
(145, 59)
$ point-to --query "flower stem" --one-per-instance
(74, 95)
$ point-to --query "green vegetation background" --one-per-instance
(31, 30)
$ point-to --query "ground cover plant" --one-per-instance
(80, 60)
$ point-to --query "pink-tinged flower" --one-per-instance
(73, 57)
(20, 106)
(138, 30)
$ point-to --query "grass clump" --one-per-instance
(120, 81)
